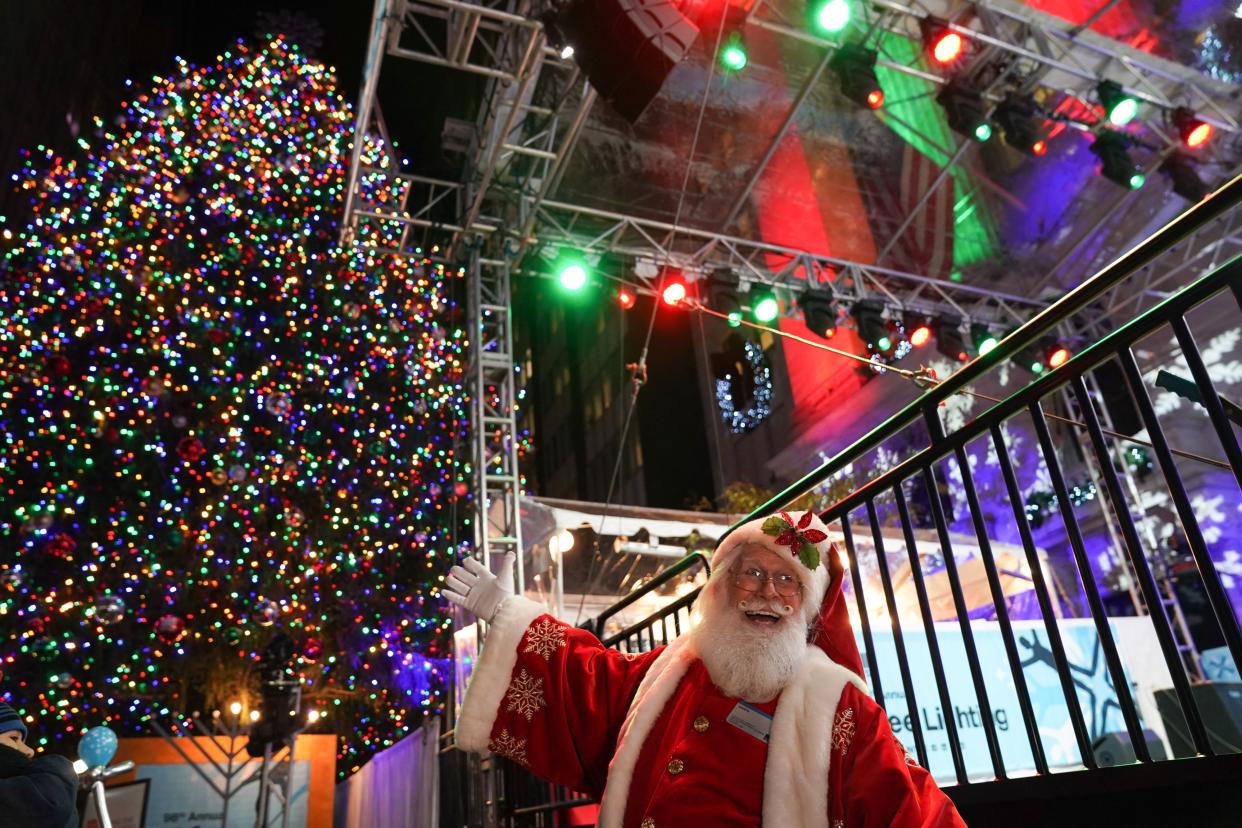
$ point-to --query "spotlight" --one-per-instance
(1186, 181)
(674, 291)
(965, 110)
(1056, 354)
(830, 16)
(872, 329)
(1195, 133)
(573, 275)
(942, 43)
(626, 297)
(949, 339)
(918, 330)
(983, 338)
(763, 304)
(854, 66)
(1030, 359)
(722, 295)
(1115, 162)
(1020, 124)
(819, 310)
(733, 52)
(1119, 107)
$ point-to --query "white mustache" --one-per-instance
(764, 604)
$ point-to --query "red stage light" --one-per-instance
(962, 356)
(948, 47)
(1057, 358)
(674, 292)
(1199, 136)
(626, 298)
(920, 336)
(875, 98)
(1039, 147)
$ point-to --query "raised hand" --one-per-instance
(473, 587)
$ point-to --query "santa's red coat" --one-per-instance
(650, 734)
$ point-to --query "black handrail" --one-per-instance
(1189, 222)
(597, 626)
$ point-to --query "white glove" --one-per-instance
(473, 587)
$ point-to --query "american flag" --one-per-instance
(928, 241)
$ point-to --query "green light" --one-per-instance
(735, 319)
(1137, 180)
(733, 53)
(884, 343)
(988, 343)
(1123, 111)
(766, 309)
(1037, 367)
(833, 15)
(983, 132)
(573, 276)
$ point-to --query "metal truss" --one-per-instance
(497, 483)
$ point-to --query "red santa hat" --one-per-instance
(804, 540)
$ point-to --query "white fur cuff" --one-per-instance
(491, 674)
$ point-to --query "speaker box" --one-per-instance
(1220, 707)
(1117, 749)
(627, 47)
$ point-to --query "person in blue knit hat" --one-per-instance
(35, 791)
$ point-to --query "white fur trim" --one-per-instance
(654, 691)
(751, 532)
(795, 779)
(491, 674)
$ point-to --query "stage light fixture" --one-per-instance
(674, 291)
(854, 66)
(572, 275)
(1115, 162)
(764, 305)
(830, 16)
(1020, 124)
(733, 52)
(942, 43)
(983, 338)
(1030, 359)
(1186, 181)
(1194, 132)
(1119, 107)
(819, 310)
(918, 330)
(1056, 354)
(965, 110)
(722, 295)
(949, 339)
(626, 48)
(626, 297)
(872, 327)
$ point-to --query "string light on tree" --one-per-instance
(211, 409)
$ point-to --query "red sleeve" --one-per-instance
(550, 697)
(873, 781)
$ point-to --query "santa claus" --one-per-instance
(739, 721)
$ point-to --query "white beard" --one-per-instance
(745, 660)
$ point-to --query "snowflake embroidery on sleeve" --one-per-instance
(843, 730)
(525, 695)
(545, 638)
(509, 747)
(838, 823)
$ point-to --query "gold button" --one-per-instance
(676, 766)
(647, 823)
(701, 724)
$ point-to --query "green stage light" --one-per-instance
(1137, 180)
(735, 319)
(1119, 107)
(983, 132)
(987, 344)
(832, 15)
(733, 53)
(765, 308)
(883, 343)
(573, 276)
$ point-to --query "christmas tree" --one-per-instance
(218, 423)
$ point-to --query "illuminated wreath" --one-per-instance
(754, 384)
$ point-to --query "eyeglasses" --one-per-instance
(752, 579)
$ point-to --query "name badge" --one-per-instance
(751, 720)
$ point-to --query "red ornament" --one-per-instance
(312, 649)
(62, 545)
(798, 534)
(170, 628)
(190, 449)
